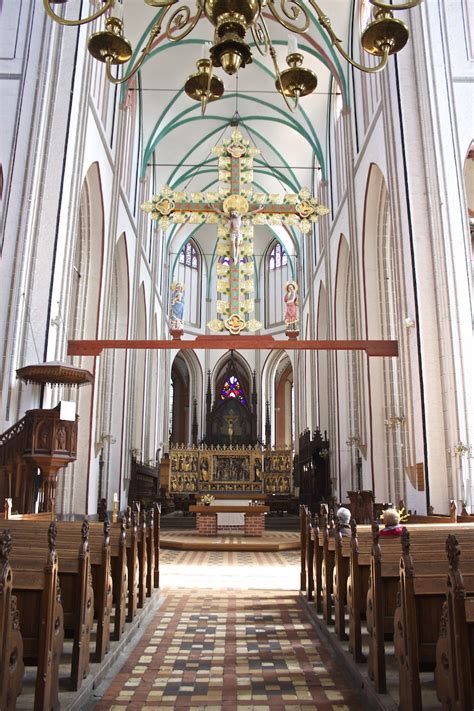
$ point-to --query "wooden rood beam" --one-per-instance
(382, 349)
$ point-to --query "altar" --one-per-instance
(253, 516)
(240, 471)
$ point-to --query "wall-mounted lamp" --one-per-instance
(394, 421)
(408, 323)
(461, 450)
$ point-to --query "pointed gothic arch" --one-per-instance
(277, 271)
(323, 388)
(347, 424)
(111, 420)
(381, 298)
(139, 395)
(188, 269)
(231, 417)
(77, 485)
(186, 387)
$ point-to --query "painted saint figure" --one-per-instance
(177, 307)
(291, 301)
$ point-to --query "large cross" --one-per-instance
(235, 209)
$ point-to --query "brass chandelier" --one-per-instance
(232, 20)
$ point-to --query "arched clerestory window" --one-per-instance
(277, 273)
(188, 272)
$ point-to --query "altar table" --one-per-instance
(207, 518)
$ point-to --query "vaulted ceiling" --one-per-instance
(177, 139)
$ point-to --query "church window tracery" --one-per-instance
(278, 257)
(188, 256)
(277, 273)
(232, 388)
(188, 272)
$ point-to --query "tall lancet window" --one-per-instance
(188, 272)
(277, 273)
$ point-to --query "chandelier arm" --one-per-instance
(291, 107)
(402, 6)
(154, 32)
(75, 23)
(295, 8)
(205, 98)
(192, 25)
(271, 48)
(259, 38)
(325, 22)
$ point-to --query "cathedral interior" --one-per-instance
(236, 258)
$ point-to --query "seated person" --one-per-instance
(343, 517)
(391, 519)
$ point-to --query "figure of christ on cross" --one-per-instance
(235, 209)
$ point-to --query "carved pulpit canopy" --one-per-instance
(55, 373)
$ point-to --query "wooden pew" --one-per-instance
(427, 556)
(455, 647)
(318, 522)
(142, 551)
(101, 564)
(418, 615)
(100, 555)
(358, 585)
(304, 513)
(41, 621)
(133, 565)
(45, 516)
(150, 552)
(11, 642)
(310, 532)
(326, 537)
(156, 535)
(342, 552)
(77, 596)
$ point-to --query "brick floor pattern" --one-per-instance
(230, 649)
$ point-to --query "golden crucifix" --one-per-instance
(235, 209)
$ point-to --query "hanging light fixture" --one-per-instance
(232, 20)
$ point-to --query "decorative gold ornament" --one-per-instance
(296, 81)
(203, 86)
(235, 324)
(109, 45)
(235, 203)
(216, 325)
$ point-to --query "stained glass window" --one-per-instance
(188, 272)
(232, 388)
(277, 273)
(188, 256)
(278, 257)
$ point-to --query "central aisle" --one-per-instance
(230, 648)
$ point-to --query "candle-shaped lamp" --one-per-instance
(115, 508)
(292, 44)
(118, 10)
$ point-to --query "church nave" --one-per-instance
(231, 633)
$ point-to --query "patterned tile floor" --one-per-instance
(227, 646)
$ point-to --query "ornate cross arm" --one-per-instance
(170, 207)
(299, 209)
